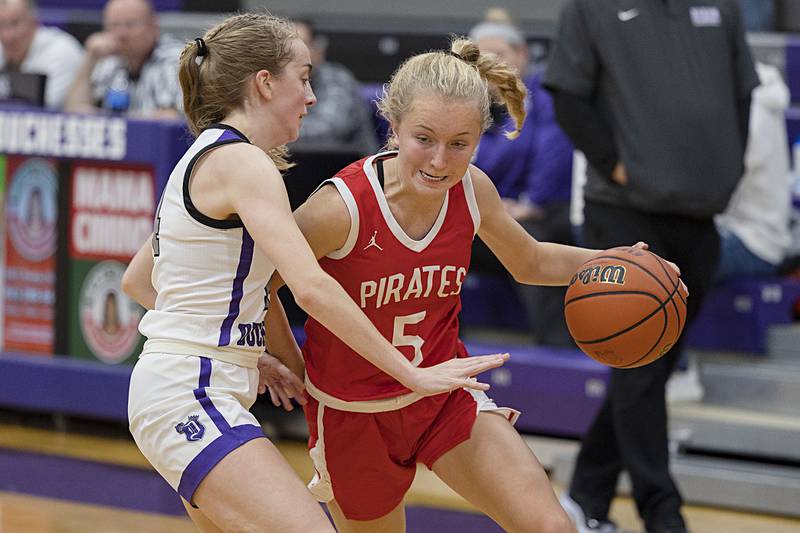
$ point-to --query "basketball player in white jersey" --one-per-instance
(222, 228)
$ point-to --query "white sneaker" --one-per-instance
(583, 523)
(684, 386)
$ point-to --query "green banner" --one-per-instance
(103, 322)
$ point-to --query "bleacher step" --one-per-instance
(783, 343)
(738, 485)
(745, 381)
(725, 483)
(726, 430)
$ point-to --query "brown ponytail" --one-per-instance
(214, 69)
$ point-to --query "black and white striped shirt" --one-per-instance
(157, 85)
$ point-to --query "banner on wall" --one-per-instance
(2, 243)
(110, 216)
(31, 216)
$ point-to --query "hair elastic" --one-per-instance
(454, 54)
(202, 49)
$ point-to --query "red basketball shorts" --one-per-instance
(367, 461)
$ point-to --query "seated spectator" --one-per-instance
(340, 115)
(532, 173)
(754, 228)
(28, 47)
(129, 66)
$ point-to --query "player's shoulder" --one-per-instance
(486, 195)
(240, 158)
(354, 170)
(328, 195)
(240, 165)
(325, 218)
(480, 180)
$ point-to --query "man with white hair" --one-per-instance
(28, 47)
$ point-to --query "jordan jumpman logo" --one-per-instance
(372, 242)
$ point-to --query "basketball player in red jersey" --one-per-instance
(396, 230)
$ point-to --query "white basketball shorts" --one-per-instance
(188, 412)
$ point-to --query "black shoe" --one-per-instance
(675, 525)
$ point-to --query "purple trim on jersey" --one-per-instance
(245, 260)
(228, 135)
(212, 454)
(205, 401)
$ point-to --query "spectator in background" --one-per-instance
(28, 47)
(532, 173)
(754, 229)
(129, 66)
(657, 95)
(340, 115)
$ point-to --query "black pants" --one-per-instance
(630, 430)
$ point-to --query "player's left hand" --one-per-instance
(282, 383)
(643, 246)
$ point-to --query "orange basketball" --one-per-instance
(625, 307)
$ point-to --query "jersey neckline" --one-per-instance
(223, 126)
(394, 226)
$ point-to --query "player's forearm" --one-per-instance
(560, 262)
(280, 340)
(325, 300)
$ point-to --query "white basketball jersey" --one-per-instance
(209, 275)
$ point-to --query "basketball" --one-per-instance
(625, 307)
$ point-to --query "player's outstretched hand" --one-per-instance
(455, 374)
(282, 383)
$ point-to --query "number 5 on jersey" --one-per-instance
(399, 338)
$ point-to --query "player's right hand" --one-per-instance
(455, 374)
(282, 383)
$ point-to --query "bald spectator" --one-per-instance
(28, 47)
(129, 66)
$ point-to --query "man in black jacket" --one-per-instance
(656, 93)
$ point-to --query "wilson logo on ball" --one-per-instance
(614, 274)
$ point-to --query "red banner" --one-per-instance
(31, 216)
(111, 212)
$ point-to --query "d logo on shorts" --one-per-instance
(192, 429)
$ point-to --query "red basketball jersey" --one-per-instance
(408, 288)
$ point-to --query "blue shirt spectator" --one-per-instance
(537, 166)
